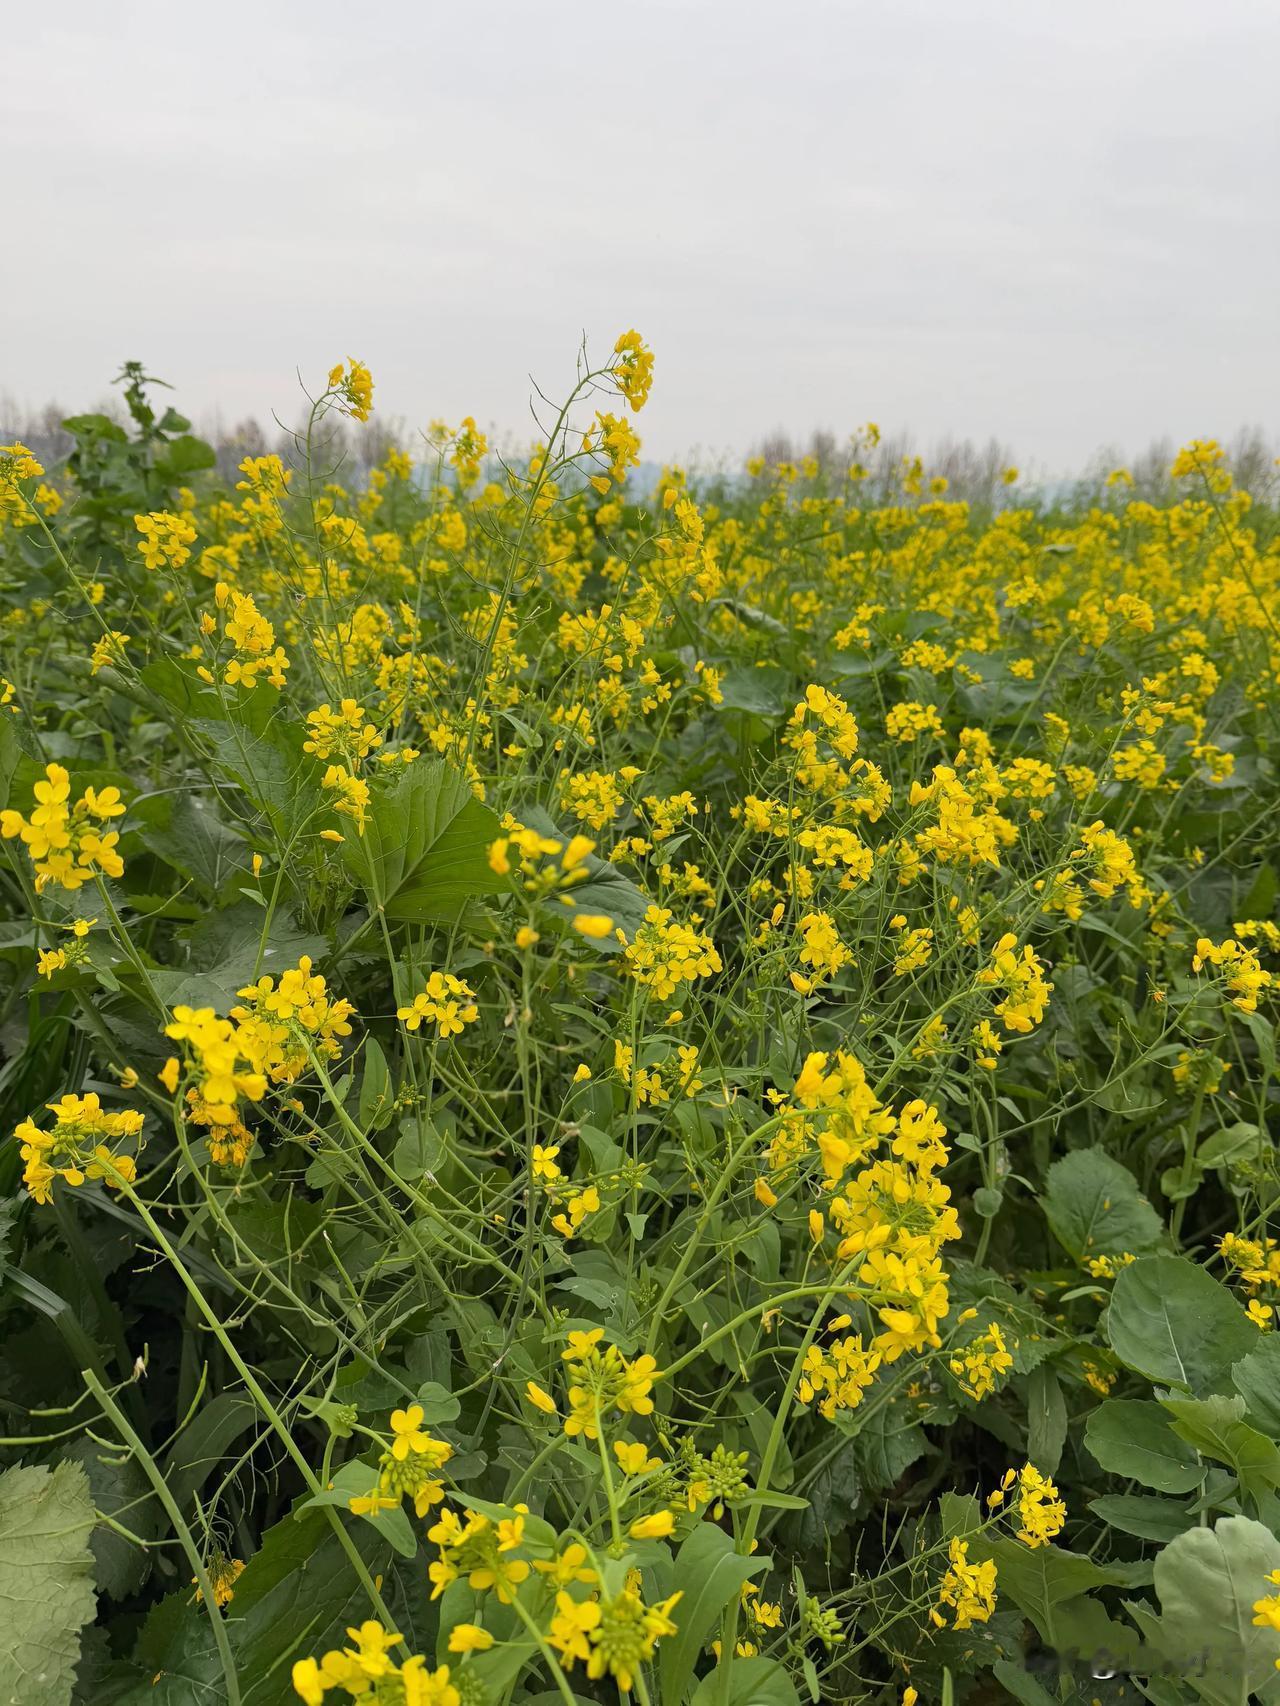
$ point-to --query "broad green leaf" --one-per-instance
(960, 1514)
(194, 841)
(1173, 1322)
(1021, 1685)
(497, 1670)
(357, 1479)
(425, 848)
(1040, 1578)
(119, 1489)
(1256, 1378)
(1264, 1035)
(439, 1406)
(768, 690)
(1207, 1581)
(1046, 1419)
(606, 891)
(420, 1148)
(202, 1445)
(1085, 1626)
(164, 682)
(276, 775)
(184, 456)
(887, 1440)
(1217, 1429)
(95, 426)
(195, 988)
(752, 1682)
(1143, 1515)
(377, 1094)
(1133, 1437)
(710, 1574)
(1242, 1141)
(1096, 1209)
(296, 1597)
(46, 1581)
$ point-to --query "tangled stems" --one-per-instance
(353, 1131)
(746, 1539)
(256, 1391)
(161, 1489)
(748, 1143)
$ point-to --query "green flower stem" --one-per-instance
(729, 1637)
(474, 1248)
(544, 1647)
(750, 1141)
(185, 1538)
(615, 1522)
(756, 1309)
(261, 1399)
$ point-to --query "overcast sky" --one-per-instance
(1056, 223)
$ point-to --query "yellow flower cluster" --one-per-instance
(1266, 1611)
(613, 439)
(602, 1380)
(166, 539)
(67, 844)
(270, 1038)
(18, 463)
(475, 1547)
(367, 1670)
(1041, 1513)
(223, 1574)
(345, 733)
(82, 1145)
(408, 1468)
(266, 476)
(1256, 1260)
(1243, 972)
(663, 954)
(633, 370)
(252, 638)
(967, 1591)
(613, 1637)
(893, 1218)
(447, 1001)
(821, 951)
(351, 798)
(1021, 977)
(548, 869)
(352, 383)
(981, 1365)
(592, 796)
(470, 447)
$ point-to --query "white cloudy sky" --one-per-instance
(1055, 223)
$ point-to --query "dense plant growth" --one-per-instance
(618, 1087)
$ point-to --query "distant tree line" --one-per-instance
(974, 472)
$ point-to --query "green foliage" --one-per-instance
(1173, 1322)
(1096, 1209)
(710, 1574)
(46, 1581)
(424, 853)
(1133, 1438)
(662, 1093)
(1206, 1582)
